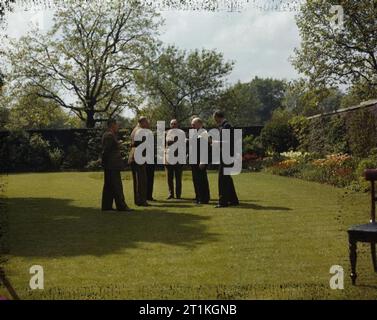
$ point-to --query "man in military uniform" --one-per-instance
(112, 163)
(199, 169)
(227, 192)
(139, 171)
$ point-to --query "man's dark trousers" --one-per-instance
(150, 180)
(139, 175)
(174, 171)
(201, 185)
(227, 192)
(113, 190)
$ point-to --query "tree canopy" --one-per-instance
(86, 62)
(180, 84)
(332, 53)
(252, 102)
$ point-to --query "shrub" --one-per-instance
(75, 158)
(39, 153)
(367, 163)
(278, 135)
(56, 157)
(14, 150)
(21, 151)
(94, 165)
(252, 150)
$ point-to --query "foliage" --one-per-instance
(301, 98)
(252, 102)
(56, 158)
(27, 110)
(21, 151)
(94, 165)
(358, 93)
(278, 135)
(253, 153)
(300, 127)
(368, 163)
(90, 54)
(74, 158)
(180, 84)
(322, 135)
(253, 145)
(331, 54)
(361, 130)
(335, 169)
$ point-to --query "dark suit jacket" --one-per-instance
(111, 156)
(227, 125)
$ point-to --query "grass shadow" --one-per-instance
(47, 227)
(253, 206)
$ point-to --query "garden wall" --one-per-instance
(352, 131)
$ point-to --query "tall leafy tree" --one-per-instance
(86, 62)
(303, 99)
(252, 102)
(240, 104)
(270, 93)
(180, 83)
(332, 54)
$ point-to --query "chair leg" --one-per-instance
(353, 259)
(373, 250)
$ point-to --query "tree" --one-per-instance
(240, 104)
(358, 93)
(278, 135)
(270, 93)
(86, 62)
(252, 102)
(30, 111)
(180, 83)
(303, 99)
(331, 54)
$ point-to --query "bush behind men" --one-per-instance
(144, 182)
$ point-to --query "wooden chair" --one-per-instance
(366, 232)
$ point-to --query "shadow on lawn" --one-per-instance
(46, 227)
(253, 206)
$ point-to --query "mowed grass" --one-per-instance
(279, 244)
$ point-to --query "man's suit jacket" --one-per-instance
(111, 156)
(131, 155)
(226, 125)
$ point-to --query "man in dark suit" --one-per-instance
(112, 163)
(173, 170)
(227, 192)
(139, 171)
(199, 169)
(150, 177)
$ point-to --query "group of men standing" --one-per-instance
(143, 174)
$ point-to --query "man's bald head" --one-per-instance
(197, 123)
(174, 124)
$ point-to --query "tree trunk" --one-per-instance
(90, 122)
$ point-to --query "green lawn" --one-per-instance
(280, 244)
